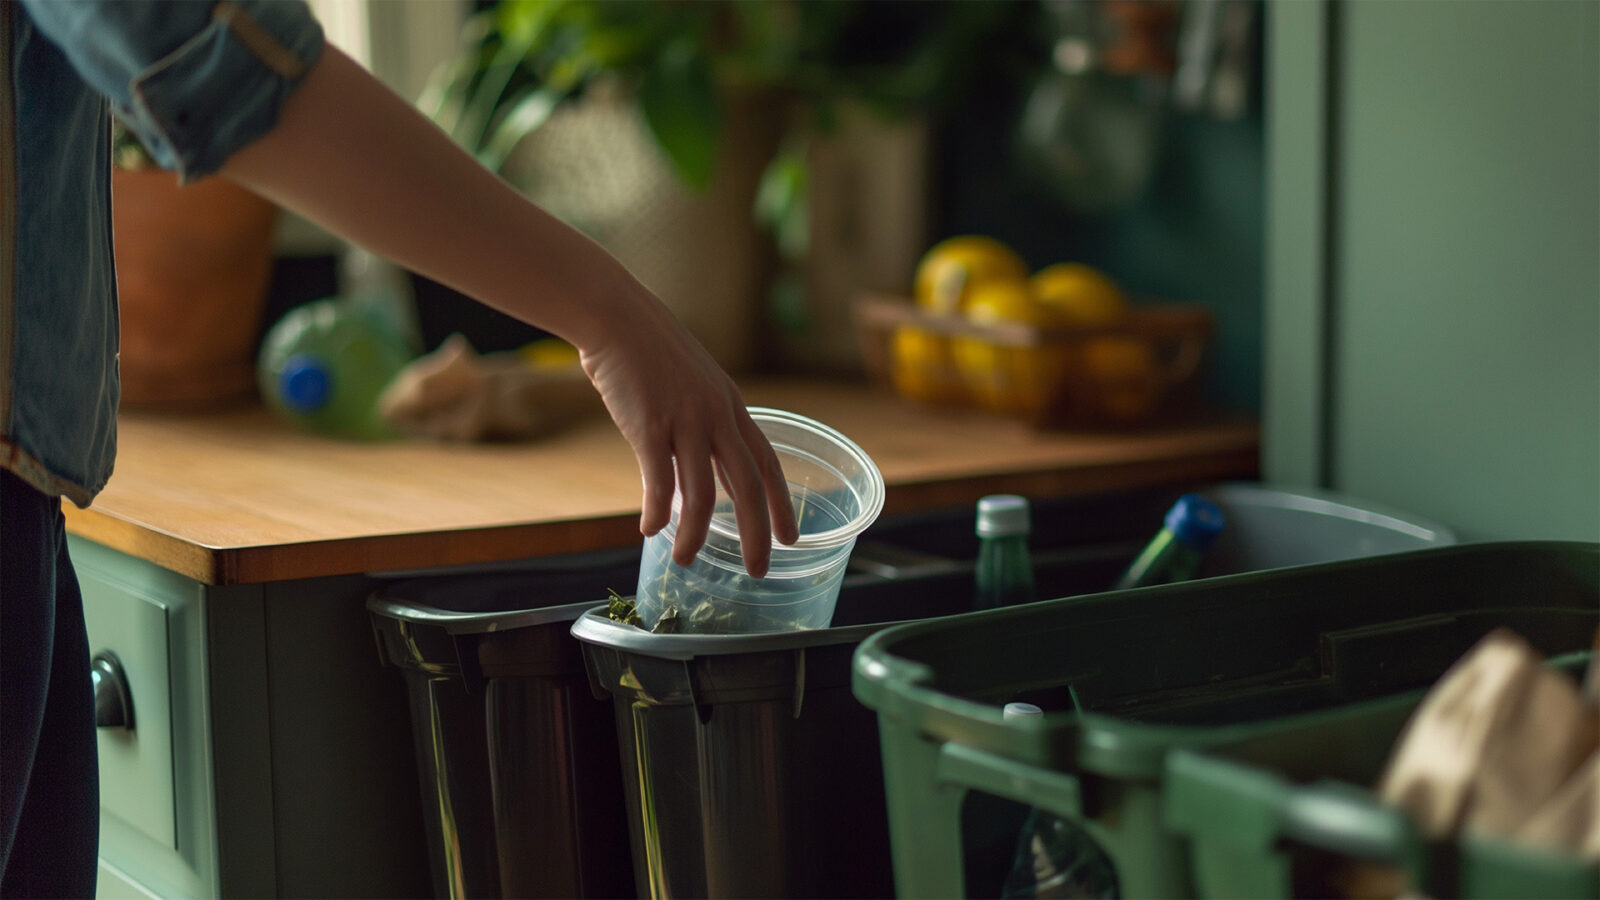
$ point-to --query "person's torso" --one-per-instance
(58, 316)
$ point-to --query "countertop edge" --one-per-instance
(213, 565)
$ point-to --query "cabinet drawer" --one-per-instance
(136, 765)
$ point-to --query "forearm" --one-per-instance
(350, 155)
(354, 157)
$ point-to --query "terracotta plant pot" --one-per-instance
(193, 265)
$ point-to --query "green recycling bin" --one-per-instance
(1128, 677)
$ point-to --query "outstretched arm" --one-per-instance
(354, 157)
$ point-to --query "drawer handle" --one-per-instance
(113, 704)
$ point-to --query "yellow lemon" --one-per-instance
(548, 353)
(1079, 293)
(1004, 378)
(1126, 376)
(955, 266)
(993, 302)
(920, 366)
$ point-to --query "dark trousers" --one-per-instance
(49, 779)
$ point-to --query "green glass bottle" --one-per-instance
(1004, 572)
(1174, 554)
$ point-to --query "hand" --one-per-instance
(685, 419)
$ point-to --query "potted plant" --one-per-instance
(658, 127)
(193, 265)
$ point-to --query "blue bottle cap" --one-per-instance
(304, 385)
(1195, 521)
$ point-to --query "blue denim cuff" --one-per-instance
(222, 88)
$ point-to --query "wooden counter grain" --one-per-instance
(240, 498)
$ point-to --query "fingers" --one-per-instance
(697, 485)
(773, 483)
(744, 484)
(743, 462)
(660, 480)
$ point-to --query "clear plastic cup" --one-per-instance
(837, 492)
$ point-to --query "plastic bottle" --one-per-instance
(1191, 527)
(1004, 572)
(324, 364)
(1055, 857)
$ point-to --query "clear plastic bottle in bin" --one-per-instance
(1004, 572)
(1192, 525)
(324, 364)
(1055, 857)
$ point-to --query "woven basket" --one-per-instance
(1142, 369)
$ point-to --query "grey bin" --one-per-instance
(750, 768)
(516, 759)
(1273, 528)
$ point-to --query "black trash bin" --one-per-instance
(516, 758)
(751, 770)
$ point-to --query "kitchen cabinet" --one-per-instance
(1432, 311)
(228, 562)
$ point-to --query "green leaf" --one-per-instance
(525, 115)
(781, 203)
(679, 102)
(445, 95)
(490, 92)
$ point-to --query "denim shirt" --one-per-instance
(196, 82)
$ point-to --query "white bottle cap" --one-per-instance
(1001, 515)
(1019, 710)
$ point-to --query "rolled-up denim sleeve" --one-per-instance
(196, 81)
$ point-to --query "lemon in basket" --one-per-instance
(994, 302)
(1004, 377)
(1079, 293)
(920, 366)
(955, 267)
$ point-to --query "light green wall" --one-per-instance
(1461, 291)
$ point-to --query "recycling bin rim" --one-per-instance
(900, 688)
(459, 622)
(595, 628)
(1332, 503)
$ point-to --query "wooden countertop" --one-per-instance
(240, 498)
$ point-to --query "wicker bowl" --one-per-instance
(1143, 368)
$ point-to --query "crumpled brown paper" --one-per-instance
(1503, 746)
(456, 394)
(1494, 740)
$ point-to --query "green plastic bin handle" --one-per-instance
(969, 767)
